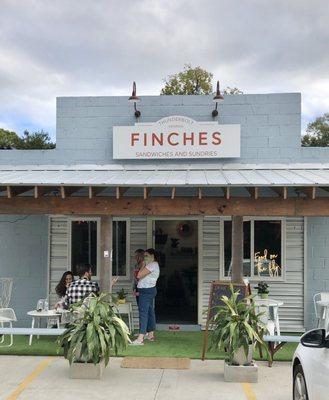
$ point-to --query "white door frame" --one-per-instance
(151, 243)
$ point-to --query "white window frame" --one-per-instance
(128, 260)
(98, 229)
(253, 277)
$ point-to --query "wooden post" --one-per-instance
(237, 249)
(105, 273)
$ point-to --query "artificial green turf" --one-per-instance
(168, 344)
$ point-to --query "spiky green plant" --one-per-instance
(122, 294)
(96, 332)
(262, 287)
(236, 324)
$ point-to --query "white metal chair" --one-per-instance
(320, 312)
(6, 287)
(7, 316)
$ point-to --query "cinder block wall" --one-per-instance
(270, 124)
(317, 269)
(23, 256)
(270, 127)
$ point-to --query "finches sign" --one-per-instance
(176, 137)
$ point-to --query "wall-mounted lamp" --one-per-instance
(218, 98)
(134, 99)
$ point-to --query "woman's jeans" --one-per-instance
(146, 309)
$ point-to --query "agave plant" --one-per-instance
(96, 331)
(236, 325)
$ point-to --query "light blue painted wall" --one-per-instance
(270, 132)
(23, 256)
(270, 127)
(317, 269)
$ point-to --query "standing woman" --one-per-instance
(147, 279)
(139, 258)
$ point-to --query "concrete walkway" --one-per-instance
(44, 378)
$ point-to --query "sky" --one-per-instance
(98, 47)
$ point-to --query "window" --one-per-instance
(84, 244)
(262, 252)
(267, 249)
(120, 260)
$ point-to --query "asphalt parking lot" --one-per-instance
(43, 378)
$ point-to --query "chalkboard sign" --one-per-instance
(217, 290)
(222, 288)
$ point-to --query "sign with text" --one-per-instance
(176, 137)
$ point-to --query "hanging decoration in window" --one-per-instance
(266, 264)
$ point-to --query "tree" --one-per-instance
(8, 139)
(29, 141)
(317, 132)
(189, 81)
(234, 90)
(36, 140)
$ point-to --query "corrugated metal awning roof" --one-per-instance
(197, 174)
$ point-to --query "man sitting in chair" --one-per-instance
(81, 288)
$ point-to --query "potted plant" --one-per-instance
(262, 290)
(122, 296)
(88, 341)
(236, 328)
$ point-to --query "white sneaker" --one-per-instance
(151, 339)
(136, 343)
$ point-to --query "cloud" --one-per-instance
(62, 48)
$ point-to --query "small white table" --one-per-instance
(274, 310)
(127, 308)
(38, 315)
(324, 320)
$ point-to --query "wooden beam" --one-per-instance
(237, 249)
(173, 192)
(165, 206)
(93, 191)
(40, 191)
(67, 191)
(146, 192)
(227, 192)
(308, 191)
(119, 192)
(253, 191)
(281, 191)
(105, 273)
(13, 191)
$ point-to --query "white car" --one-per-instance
(311, 367)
